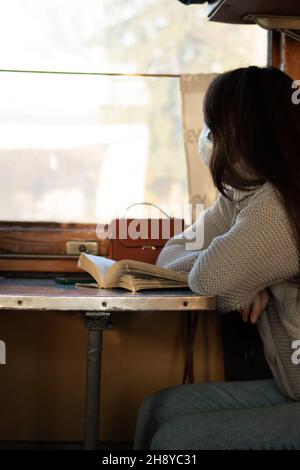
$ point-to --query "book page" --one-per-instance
(96, 266)
(132, 283)
(139, 267)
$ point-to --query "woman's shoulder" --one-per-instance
(261, 202)
(267, 194)
(265, 205)
(264, 194)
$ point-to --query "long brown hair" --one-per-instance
(251, 114)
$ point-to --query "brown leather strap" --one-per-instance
(191, 328)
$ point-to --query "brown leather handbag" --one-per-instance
(147, 247)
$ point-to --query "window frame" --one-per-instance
(41, 246)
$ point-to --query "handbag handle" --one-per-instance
(148, 204)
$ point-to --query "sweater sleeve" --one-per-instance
(258, 250)
(181, 251)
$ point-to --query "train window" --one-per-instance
(73, 147)
(80, 149)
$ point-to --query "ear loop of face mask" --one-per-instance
(205, 145)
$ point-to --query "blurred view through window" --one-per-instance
(78, 148)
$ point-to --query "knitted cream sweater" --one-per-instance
(248, 244)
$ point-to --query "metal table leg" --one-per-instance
(95, 325)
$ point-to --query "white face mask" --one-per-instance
(205, 145)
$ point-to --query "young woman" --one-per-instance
(250, 262)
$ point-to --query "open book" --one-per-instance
(129, 274)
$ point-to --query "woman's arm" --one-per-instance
(258, 250)
(213, 222)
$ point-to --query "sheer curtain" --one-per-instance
(200, 186)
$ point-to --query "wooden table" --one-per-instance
(97, 307)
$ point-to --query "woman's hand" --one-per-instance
(256, 309)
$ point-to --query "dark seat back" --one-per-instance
(243, 349)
